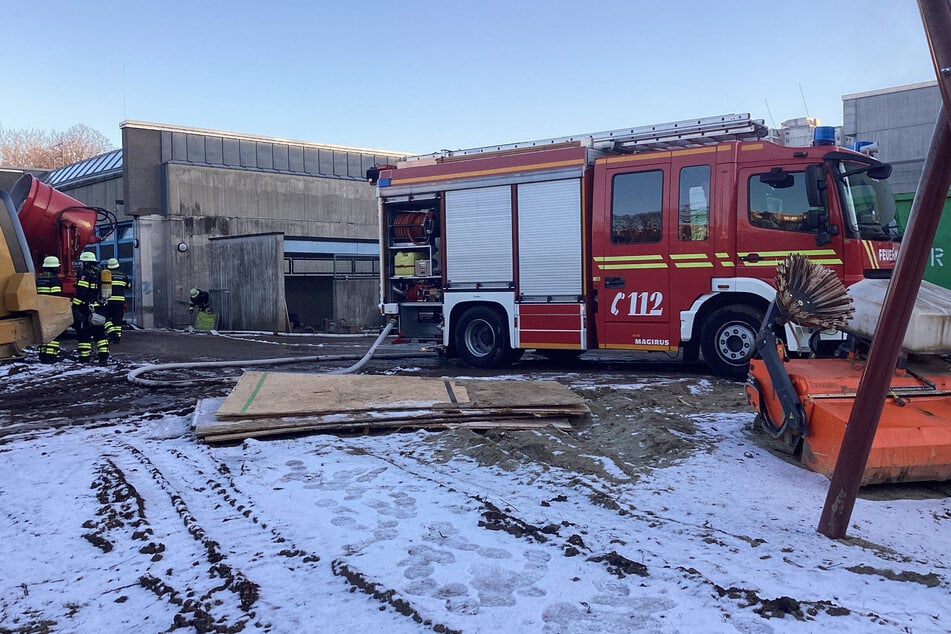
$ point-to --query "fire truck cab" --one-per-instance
(662, 238)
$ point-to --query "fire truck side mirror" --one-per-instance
(880, 172)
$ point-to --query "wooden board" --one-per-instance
(286, 393)
(280, 404)
(259, 394)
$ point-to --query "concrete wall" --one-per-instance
(103, 193)
(901, 120)
(219, 201)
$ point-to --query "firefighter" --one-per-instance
(198, 301)
(48, 283)
(115, 305)
(88, 321)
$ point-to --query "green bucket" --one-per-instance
(205, 320)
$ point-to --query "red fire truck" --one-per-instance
(657, 238)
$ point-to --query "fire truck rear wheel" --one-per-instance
(727, 340)
(481, 338)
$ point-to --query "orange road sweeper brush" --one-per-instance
(805, 404)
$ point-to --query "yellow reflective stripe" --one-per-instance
(694, 265)
(653, 156)
(612, 267)
(725, 259)
(870, 252)
(688, 256)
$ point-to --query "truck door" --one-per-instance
(772, 223)
(633, 222)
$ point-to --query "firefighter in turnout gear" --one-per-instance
(115, 305)
(49, 283)
(198, 300)
(87, 322)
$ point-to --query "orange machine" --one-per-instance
(805, 404)
(913, 441)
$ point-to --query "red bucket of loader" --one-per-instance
(54, 223)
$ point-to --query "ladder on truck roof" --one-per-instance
(664, 136)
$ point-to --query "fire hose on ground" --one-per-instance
(135, 376)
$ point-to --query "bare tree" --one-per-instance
(49, 150)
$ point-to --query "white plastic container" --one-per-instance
(929, 330)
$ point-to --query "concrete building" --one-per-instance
(901, 120)
(276, 230)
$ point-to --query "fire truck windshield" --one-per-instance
(868, 205)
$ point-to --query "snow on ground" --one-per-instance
(138, 527)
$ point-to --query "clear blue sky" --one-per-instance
(418, 76)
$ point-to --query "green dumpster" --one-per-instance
(938, 270)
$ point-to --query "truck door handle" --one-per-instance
(751, 257)
(614, 282)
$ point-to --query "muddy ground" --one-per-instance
(671, 390)
(659, 393)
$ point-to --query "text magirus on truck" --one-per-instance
(658, 238)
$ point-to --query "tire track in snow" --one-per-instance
(222, 485)
(123, 510)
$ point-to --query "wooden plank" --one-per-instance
(481, 425)
(209, 424)
(284, 393)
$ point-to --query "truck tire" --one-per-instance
(727, 340)
(481, 339)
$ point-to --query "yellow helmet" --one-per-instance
(112, 263)
(51, 262)
(87, 256)
(193, 293)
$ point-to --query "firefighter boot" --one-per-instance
(84, 351)
(102, 347)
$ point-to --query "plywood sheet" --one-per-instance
(287, 394)
(280, 404)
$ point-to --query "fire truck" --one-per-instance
(661, 238)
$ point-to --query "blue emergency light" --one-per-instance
(823, 135)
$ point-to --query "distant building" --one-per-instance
(901, 120)
(799, 132)
(277, 230)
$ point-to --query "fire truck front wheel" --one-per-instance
(481, 338)
(727, 339)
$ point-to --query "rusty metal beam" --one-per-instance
(902, 291)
